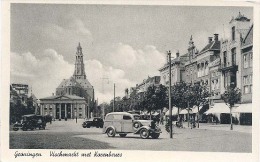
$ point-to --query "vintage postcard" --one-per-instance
(130, 81)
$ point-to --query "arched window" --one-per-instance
(202, 69)
(198, 69)
(206, 68)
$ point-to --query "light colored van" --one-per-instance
(123, 123)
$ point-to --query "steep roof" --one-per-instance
(69, 82)
(213, 45)
(84, 83)
(248, 40)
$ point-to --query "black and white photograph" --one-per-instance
(110, 78)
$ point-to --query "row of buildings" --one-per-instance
(218, 65)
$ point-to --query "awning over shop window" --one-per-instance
(218, 108)
(185, 111)
(174, 111)
(243, 108)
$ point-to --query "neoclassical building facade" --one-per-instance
(74, 96)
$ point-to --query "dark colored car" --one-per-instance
(31, 122)
(93, 122)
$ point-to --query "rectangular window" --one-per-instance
(250, 79)
(212, 85)
(217, 84)
(225, 58)
(245, 80)
(245, 61)
(250, 59)
(246, 89)
(233, 51)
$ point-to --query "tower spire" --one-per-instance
(79, 72)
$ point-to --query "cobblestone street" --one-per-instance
(71, 135)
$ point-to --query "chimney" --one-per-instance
(177, 54)
(215, 37)
(210, 39)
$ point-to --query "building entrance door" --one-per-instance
(69, 111)
(62, 111)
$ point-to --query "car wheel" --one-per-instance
(144, 133)
(88, 126)
(155, 135)
(122, 135)
(111, 132)
(101, 126)
(97, 126)
(84, 126)
(43, 127)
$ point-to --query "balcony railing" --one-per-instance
(228, 66)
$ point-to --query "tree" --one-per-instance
(201, 94)
(155, 98)
(231, 96)
(180, 96)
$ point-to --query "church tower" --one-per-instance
(79, 72)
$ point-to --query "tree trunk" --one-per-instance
(231, 123)
(198, 114)
(188, 114)
(178, 114)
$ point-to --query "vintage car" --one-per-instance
(123, 123)
(31, 122)
(93, 122)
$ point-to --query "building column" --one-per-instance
(60, 111)
(84, 111)
(75, 112)
(54, 111)
(41, 109)
(65, 111)
(71, 112)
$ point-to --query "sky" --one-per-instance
(123, 43)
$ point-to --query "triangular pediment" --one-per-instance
(62, 98)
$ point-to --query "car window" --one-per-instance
(126, 117)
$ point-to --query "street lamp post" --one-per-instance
(170, 80)
(114, 97)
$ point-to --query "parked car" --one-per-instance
(31, 122)
(123, 123)
(93, 122)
